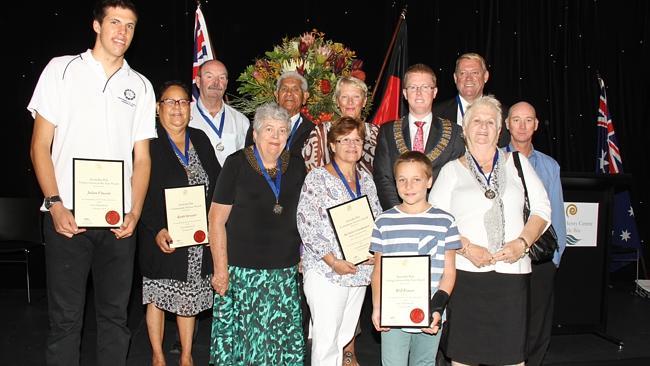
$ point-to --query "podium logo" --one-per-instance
(571, 210)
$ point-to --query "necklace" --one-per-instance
(441, 145)
(487, 183)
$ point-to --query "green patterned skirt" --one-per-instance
(258, 321)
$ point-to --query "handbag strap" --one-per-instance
(515, 156)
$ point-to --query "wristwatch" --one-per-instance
(51, 200)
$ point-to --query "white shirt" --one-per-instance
(233, 135)
(457, 192)
(95, 117)
(413, 129)
(294, 120)
(459, 115)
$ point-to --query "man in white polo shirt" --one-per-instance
(93, 106)
(225, 126)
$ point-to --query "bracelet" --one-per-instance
(524, 240)
(526, 247)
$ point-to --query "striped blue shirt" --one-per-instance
(430, 232)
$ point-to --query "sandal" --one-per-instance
(349, 359)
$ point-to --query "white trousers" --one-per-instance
(334, 315)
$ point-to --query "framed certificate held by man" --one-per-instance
(187, 221)
(405, 291)
(98, 192)
(353, 223)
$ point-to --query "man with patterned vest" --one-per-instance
(440, 139)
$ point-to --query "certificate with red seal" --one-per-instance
(98, 192)
(187, 220)
(405, 291)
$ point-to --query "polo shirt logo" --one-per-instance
(129, 94)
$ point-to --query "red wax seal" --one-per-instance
(199, 236)
(112, 217)
(417, 315)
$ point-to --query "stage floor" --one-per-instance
(24, 330)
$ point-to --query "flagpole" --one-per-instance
(402, 17)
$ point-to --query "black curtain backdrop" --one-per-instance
(545, 52)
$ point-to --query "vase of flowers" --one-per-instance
(321, 61)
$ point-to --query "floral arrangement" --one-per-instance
(322, 62)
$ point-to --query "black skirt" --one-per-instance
(486, 318)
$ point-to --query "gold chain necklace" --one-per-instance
(250, 156)
(437, 150)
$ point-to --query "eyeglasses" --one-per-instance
(348, 141)
(422, 88)
(172, 102)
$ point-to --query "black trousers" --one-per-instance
(68, 264)
(540, 312)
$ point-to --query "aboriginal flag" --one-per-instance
(392, 104)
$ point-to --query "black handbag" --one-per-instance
(544, 248)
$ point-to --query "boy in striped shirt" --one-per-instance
(414, 227)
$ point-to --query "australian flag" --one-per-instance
(608, 161)
(202, 48)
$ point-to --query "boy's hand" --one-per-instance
(435, 324)
(375, 320)
(370, 261)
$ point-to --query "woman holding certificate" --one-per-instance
(335, 287)
(482, 190)
(176, 280)
(255, 250)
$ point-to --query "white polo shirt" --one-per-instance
(95, 117)
(235, 127)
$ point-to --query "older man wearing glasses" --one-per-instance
(440, 139)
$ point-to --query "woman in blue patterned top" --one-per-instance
(334, 287)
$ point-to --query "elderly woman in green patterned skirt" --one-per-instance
(256, 314)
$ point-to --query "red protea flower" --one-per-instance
(359, 74)
(325, 86)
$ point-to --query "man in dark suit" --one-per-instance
(291, 93)
(470, 76)
(440, 139)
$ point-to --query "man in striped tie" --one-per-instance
(440, 139)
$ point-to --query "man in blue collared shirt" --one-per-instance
(522, 123)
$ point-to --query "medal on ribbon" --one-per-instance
(274, 184)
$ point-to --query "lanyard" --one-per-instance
(275, 186)
(345, 182)
(494, 161)
(185, 158)
(460, 105)
(293, 130)
(207, 119)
